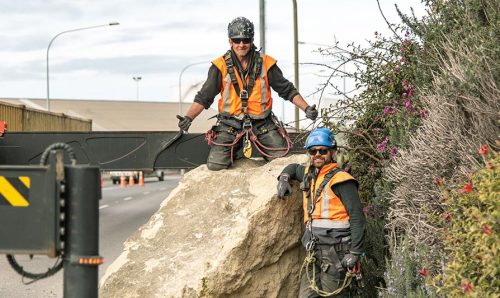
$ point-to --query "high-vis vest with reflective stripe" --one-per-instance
(260, 101)
(329, 212)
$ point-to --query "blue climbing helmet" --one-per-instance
(321, 137)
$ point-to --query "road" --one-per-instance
(122, 211)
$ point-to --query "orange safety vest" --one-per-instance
(329, 212)
(260, 101)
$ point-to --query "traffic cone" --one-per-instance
(131, 180)
(122, 181)
(141, 179)
(102, 183)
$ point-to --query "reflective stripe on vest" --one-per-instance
(330, 224)
(329, 212)
(259, 99)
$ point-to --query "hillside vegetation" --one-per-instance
(421, 137)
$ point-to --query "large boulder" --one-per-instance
(218, 234)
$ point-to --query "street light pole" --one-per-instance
(296, 58)
(48, 49)
(180, 80)
(137, 79)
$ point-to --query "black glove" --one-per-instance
(311, 112)
(349, 260)
(184, 122)
(284, 186)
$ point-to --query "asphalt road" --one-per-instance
(122, 211)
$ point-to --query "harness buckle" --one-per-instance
(247, 124)
(244, 94)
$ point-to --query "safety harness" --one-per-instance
(312, 196)
(247, 132)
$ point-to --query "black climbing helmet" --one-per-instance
(240, 27)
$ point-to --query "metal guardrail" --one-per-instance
(22, 118)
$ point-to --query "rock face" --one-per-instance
(218, 234)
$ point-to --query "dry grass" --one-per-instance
(463, 114)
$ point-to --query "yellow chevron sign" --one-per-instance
(14, 191)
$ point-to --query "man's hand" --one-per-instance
(284, 186)
(311, 112)
(184, 122)
(349, 260)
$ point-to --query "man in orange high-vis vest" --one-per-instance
(243, 77)
(335, 222)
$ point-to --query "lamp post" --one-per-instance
(137, 80)
(296, 58)
(180, 80)
(48, 49)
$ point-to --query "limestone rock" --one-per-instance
(218, 234)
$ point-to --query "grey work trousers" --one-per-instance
(328, 278)
(266, 131)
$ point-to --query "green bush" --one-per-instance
(471, 235)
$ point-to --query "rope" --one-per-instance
(210, 137)
(254, 139)
(311, 259)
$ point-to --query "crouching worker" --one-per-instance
(335, 223)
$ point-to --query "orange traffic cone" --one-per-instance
(131, 181)
(122, 181)
(141, 179)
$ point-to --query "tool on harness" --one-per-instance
(247, 147)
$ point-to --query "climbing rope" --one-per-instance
(311, 259)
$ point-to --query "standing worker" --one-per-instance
(335, 222)
(243, 77)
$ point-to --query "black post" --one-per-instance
(81, 251)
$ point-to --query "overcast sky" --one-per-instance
(157, 39)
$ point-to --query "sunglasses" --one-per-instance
(315, 151)
(244, 40)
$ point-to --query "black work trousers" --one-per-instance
(266, 131)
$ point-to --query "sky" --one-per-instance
(157, 39)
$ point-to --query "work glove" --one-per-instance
(349, 260)
(284, 186)
(311, 112)
(184, 122)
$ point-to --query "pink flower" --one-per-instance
(382, 145)
(393, 152)
(397, 69)
(387, 110)
(404, 94)
(407, 105)
(423, 113)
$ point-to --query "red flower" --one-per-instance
(467, 188)
(423, 272)
(484, 150)
(487, 230)
(447, 216)
(466, 287)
